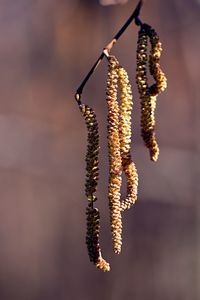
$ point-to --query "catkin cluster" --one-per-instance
(119, 128)
(148, 95)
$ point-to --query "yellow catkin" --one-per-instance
(92, 175)
(125, 130)
(148, 101)
(92, 239)
(154, 63)
(115, 163)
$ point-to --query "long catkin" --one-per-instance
(115, 162)
(92, 175)
(125, 132)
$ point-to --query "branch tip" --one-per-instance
(138, 8)
(107, 49)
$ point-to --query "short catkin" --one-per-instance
(125, 132)
(92, 175)
(154, 63)
(148, 95)
(115, 162)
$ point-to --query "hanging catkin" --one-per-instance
(92, 160)
(148, 94)
(115, 162)
(92, 239)
(129, 168)
(148, 102)
(154, 63)
(92, 174)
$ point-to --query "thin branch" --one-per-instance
(108, 47)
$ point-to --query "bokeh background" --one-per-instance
(46, 48)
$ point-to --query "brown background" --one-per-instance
(46, 47)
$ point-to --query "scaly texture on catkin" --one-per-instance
(154, 64)
(148, 101)
(115, 163)
(92, 155)
(92, 239)
(125, 132)
(92, 175)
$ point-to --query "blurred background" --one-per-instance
(46, 48)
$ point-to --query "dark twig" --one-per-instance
(135, 15)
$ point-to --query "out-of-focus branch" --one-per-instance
(108, 47)
(112, 2)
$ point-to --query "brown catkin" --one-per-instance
(92, 155)
(115, 162)
(92, 239)
(147, 97)
(125, 130)
(92, 175)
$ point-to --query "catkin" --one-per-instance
(148, 94)
(92, 175)
(129, 168)
(92, 239)
(115, 162)
(92, 155)
(154, 64)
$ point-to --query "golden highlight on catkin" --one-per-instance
(154, 64)
(125, 130)
(148, 94)
(115, 162)
(92, 175)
